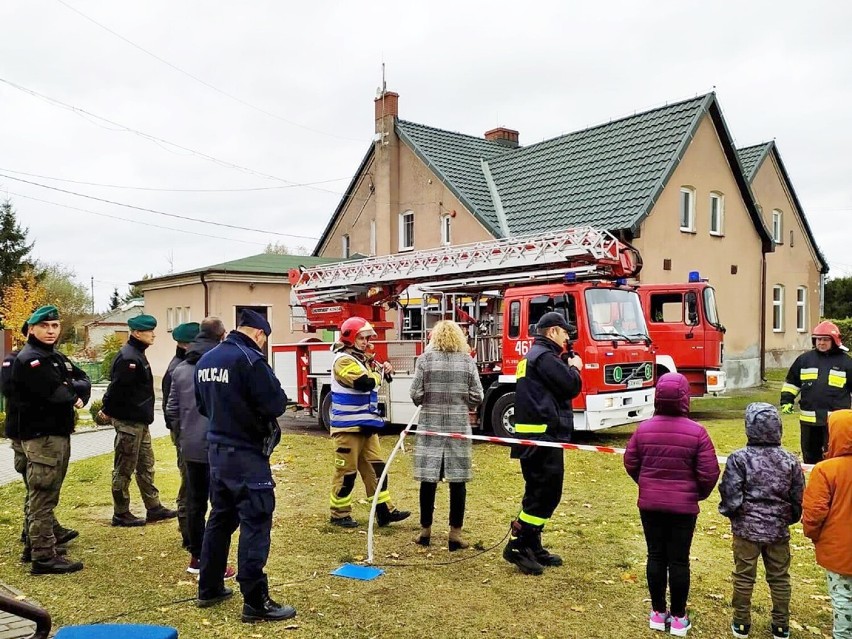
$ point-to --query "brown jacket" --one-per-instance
(827, 504)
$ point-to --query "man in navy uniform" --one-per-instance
(240, 395)
(548, 378)
(46, 389)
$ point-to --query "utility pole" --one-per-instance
(93, 294)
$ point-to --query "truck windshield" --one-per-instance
(710, 307)
(615, 314)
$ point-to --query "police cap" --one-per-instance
(253, 319)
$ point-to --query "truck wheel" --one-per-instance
(324, 417)
(503, 416)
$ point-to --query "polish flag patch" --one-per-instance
(132, 366)
(35, 363)
(7, 364)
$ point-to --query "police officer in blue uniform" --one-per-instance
(240, 395)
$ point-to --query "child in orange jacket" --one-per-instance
(827, 513)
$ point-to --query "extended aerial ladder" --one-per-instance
(330, 293)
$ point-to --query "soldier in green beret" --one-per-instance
(46, 388)
(183, 334)
(129, 403)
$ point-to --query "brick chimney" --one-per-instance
(387, 104)
(503, 137)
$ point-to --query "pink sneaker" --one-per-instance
(680, 626)
(658, 620)
(230, 572)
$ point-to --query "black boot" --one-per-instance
(386, 517)
(160, 513)
(542, 554)
(127, 520)
(262, 608)
(212, 600)
(63, 535)
(519, 550)
(57, 565)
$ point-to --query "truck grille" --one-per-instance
(617, 374)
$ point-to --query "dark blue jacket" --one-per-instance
(237, 391)
(545, 387)
(180, 355)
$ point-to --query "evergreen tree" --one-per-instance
(114, 300)
(13, 247)
(838, 298)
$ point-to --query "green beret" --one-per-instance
(142, 323)
(185, 333)
(44, 314)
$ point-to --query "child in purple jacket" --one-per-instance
(762, 495)
(673, 460)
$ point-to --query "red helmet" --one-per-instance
(353, 327)
(827, 329)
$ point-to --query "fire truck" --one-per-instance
(683, 323)
(497, 291)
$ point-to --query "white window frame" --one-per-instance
(778, 308)
(345, 246)
(372, 237)
(778, 226)
(170, 318)
(689, 191)
(718, 199)
(403, 222)
(802, 309)
(446, 234)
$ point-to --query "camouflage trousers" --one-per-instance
(181, 496)
(133, 455)
(20, 465)
(47, 464)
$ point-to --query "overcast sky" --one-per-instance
(273, 96)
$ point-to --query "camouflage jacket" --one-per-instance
(763, 484)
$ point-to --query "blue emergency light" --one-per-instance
(621, 281)
(694, 276)
(570, 277)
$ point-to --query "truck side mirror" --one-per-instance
(691, 309)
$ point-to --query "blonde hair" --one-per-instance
(448, 337)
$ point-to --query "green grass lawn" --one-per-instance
(600, 592)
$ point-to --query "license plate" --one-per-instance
(634, 383)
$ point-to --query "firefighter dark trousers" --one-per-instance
(356, 453)
(814, 442)
(242, 494)
(543, 470)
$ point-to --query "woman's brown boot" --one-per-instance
(457, 542)
(425, 537)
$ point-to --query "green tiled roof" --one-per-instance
(607, 176)
(263, 264)
(751, 157)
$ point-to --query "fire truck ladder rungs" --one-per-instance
(511, 256)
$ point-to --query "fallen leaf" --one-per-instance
(578, 609)
(292, 626)
(608, 582)
(715, 596)
(628, 577)
(814, 630)
(795, 625)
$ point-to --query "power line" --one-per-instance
(156, 212)
(147, 188)
(124, 219)
(153, 138)
(203, 82)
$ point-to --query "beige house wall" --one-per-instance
(223, 298)
(418, 190)
(705, 169)
(790, 265)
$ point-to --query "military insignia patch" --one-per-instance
(35, 363)
(132, 366)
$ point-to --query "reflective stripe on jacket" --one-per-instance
(822, 382)
(350, 408)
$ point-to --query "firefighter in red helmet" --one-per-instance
(355, 423)
(822, 379)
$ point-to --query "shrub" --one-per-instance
(2, 425)
(94, 408)
(110, 348)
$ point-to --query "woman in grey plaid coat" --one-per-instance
(446, 386)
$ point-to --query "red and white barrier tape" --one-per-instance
(510, 441)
